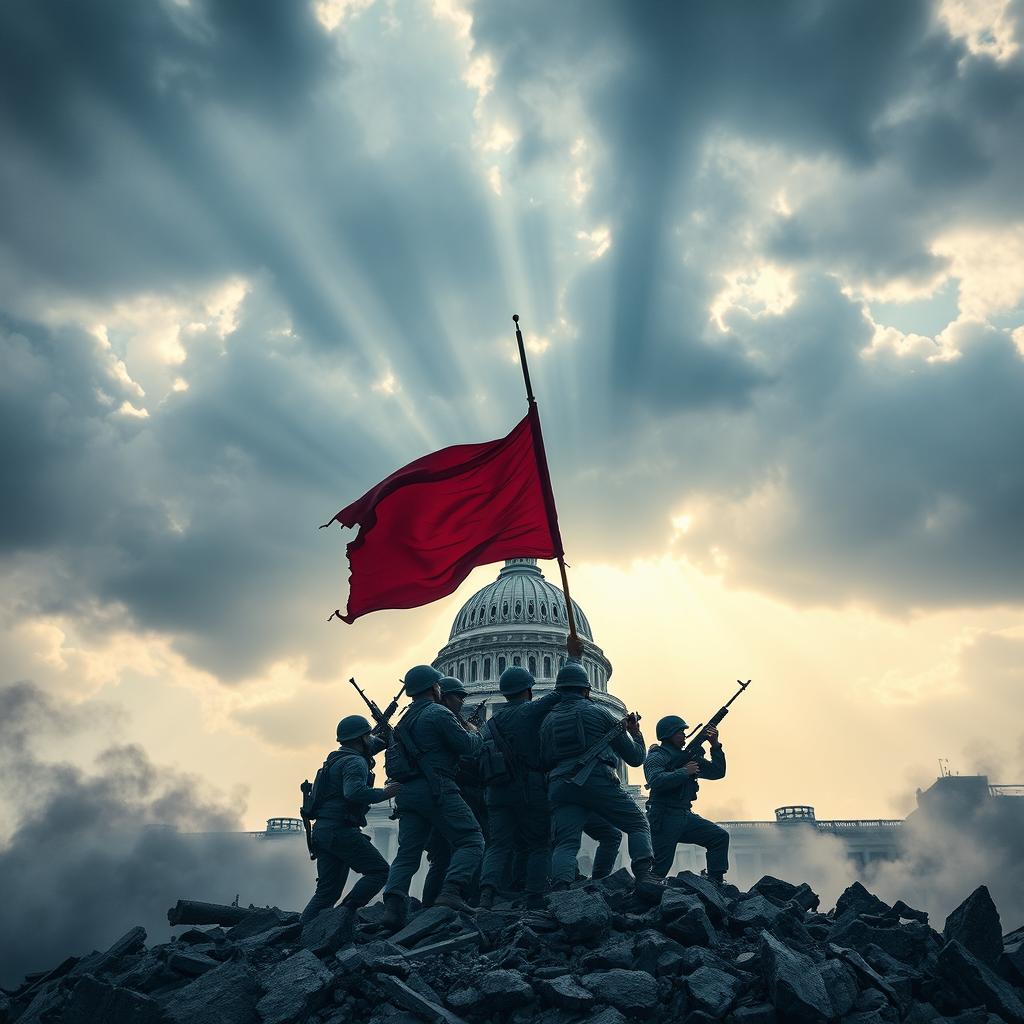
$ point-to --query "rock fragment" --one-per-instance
(328, 931)
(976, 926)
(794, 983)
(633, 992)
(583, 916)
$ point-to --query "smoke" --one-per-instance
(81, 867)
(945, 853)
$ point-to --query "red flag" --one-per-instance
(424, 528)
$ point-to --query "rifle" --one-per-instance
(588, 759)
(477, 715)
(307, 787)
(381, 718)
(692, 750)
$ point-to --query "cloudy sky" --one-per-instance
(769, 259)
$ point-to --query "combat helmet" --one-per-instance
(450, 685)
(351, 727)
(515, 679)
(421, 678)
(669, 726)
(572, 676)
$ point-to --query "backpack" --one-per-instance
(497, 764)
(402, 757)
(563, 737)
(313, 797)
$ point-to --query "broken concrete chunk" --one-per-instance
(583, 916)
(191, 963)
(976, 926)
(841, 984)
(399, 993)
(227, 995)
(457, 944)
(756, 911)
(257, 921)
(857, 900)
(712, 990)
(794, 983)
(505, 989)
(616, 953)
(692, 927)
(564, 993)
(328, 931)
(633, 992)
(93, 1000)
(425, 923)
(293, 989)
(710, 895)
(971, 983)
(131, 942)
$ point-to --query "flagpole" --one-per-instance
(574, 644)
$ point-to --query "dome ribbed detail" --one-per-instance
(520, 596)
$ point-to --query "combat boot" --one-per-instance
(395, 913)
(645, 881)
(451, 896)
(486, 898)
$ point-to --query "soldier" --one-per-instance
(439, 853)
(569, 731)
(428, 743)
(340, 800)
(673, 787)
(517, 808)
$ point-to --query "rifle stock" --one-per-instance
(306, 788)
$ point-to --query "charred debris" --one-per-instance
(600, 952)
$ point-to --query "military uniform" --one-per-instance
(517, 811)
(430, 799)
(673, 791)
(608, 839)
(602, 794)
(439, 852)
(343, 798)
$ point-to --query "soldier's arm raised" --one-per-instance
(713, 767)
(631, 749)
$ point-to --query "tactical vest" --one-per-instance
(327, 801)
(402, 758)
(563, 736)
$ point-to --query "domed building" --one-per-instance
(520, 619)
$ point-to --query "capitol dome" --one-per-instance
(520, 594)
(519, 619)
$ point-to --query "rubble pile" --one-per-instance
(601, 952)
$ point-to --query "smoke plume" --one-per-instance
(84, 863)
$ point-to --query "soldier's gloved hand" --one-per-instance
(712, 734)
(633, 724)
(392, 788)
(693, 768)
(574, 646)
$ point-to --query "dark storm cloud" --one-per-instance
(161, 149)
(81, 867)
